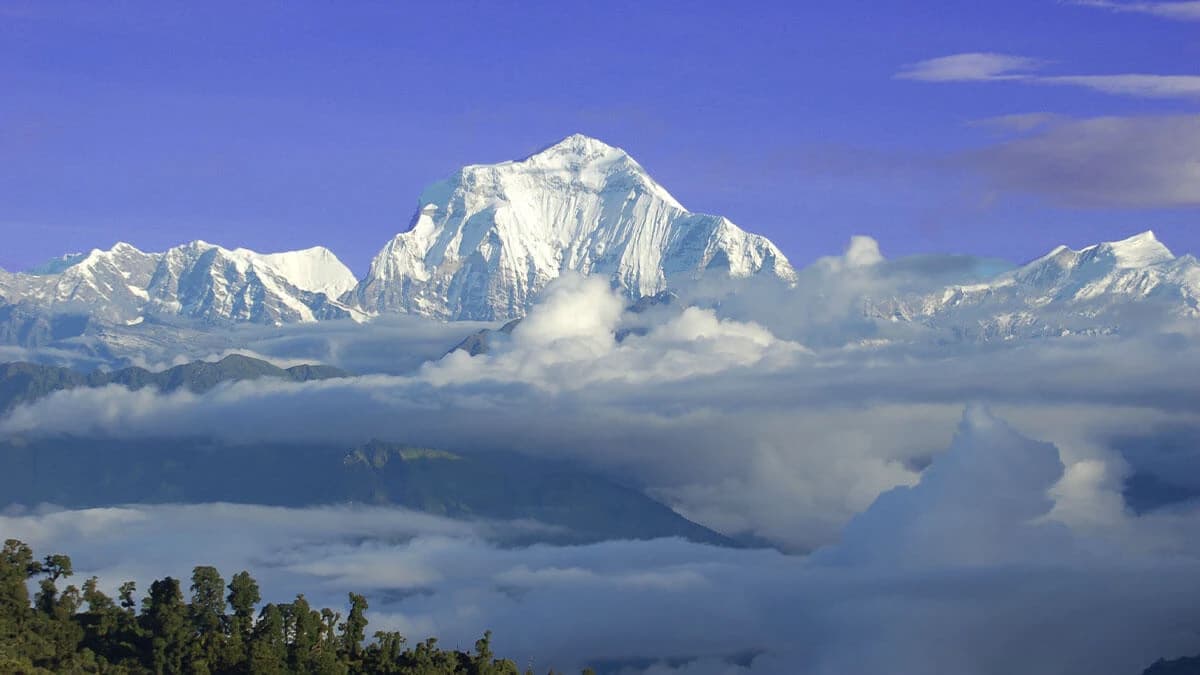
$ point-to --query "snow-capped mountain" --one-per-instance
(485, 241)
(1097, 289)
(197, 280)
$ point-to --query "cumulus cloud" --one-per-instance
(975, 505)
(863, 251)
(993, 67)
(569, 341)
(968, 577)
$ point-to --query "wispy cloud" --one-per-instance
(993, 67)
(970, 67)
(1180, 11)
(1140, 85)
(1020, 122)
(1151, 161)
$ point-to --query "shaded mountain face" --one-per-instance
(199, 281)
(488, 239)
(578, 505)
(25, 382)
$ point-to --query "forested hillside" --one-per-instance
(215, 628)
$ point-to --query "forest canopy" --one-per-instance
(208, 626)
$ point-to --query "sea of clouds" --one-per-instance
(930, 506)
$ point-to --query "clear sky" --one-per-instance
(998, 127)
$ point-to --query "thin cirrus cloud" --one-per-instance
(1179, 11)
(995, 67)
(970, 67)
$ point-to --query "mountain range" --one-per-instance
(486, 240)
(481, 246)
(25, 382)
(560, 502)
(1099, 289)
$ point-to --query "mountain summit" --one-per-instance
(487, 239)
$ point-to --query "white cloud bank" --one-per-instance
(966, 572)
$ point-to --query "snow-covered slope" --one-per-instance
(197, 280)
(485, 241)
(1102, 288)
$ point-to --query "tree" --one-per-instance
(17, 566)
(354, 631)
(55, 567)
(126, 593)
(243, 597)
(268, 645)
(57, 634)
(164, 617)
(306, 629)
(207, 614)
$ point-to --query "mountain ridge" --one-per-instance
(24, 382)
(196, 280)
(486, 240)
(1065, 292)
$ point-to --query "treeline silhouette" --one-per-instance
(82, 630)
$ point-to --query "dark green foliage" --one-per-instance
(85, 631)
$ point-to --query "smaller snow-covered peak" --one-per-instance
(57, 265)
(1140, 250)
(314, 269)
(66, 261)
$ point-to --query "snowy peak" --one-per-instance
(485, 241)
(577, 145)
(57, 265)
(208, 282)
(1140, 250)
(1136, 252)
(1067, 291)
(594, 163)
(196, 280)
(316, 269)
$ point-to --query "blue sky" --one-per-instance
(286, 125)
